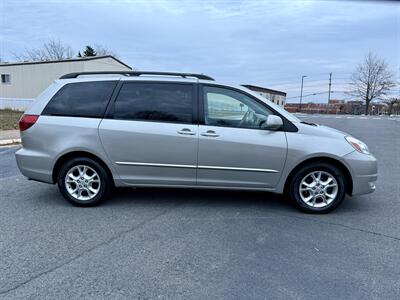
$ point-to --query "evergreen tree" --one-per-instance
(89, 51)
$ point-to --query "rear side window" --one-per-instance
(157, 102)
(82, 99)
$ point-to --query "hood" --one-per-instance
(319, 130)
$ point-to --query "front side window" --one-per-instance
(156, 102)
(229, 108)
(82, 99)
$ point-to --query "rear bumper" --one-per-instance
(364, 171)
(34, 165)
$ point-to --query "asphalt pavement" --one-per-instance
(198, 244)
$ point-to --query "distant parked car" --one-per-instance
(89, 134)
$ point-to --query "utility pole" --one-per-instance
(301, 92)
(330, 84)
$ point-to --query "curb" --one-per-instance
(9, 142)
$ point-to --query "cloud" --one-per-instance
(269, 43)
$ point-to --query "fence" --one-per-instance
(15, 104)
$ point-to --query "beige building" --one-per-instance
(26, 80)
(275, 96)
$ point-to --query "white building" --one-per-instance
(275, 96)
(24, 81)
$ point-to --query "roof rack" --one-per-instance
(137, 73)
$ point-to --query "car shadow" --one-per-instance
(196, 197)
(127, 198)
(222, 198)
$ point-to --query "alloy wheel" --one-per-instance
(82, 182)
(318, 189)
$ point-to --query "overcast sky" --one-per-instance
(267, 43)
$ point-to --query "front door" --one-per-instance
(150, 136)
(233, 149)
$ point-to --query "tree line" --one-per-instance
(57, 50)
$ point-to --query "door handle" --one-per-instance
(186, 131)
(210, 133)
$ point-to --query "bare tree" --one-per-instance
(50, 50)
(394, 104)
(371, 80)
(101, 50)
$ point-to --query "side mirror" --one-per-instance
(272, 123)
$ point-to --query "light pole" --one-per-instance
(330, 85)
(301, 92)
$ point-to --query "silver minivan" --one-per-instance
(93, 131)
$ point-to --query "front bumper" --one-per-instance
(364, 172)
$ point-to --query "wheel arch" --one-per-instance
(74, 154)
(337, 163)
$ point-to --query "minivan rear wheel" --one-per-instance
(83, 182)
(318, 188)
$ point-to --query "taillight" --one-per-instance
(27, 121)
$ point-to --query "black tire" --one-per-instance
(294, 188)
(105, 185)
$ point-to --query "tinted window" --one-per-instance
(83, 99)
(225, 107)
(162, 102)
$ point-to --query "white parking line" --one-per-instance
(356, 117)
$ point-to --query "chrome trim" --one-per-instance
(194, 167)
(154, 165)
(238, 169)
(200, 186)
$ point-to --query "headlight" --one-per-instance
(357, 144)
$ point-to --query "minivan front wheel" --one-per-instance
(83, 182)
(318, 188)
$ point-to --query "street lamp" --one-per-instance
(301, 92)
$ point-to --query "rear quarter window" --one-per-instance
(81, 99)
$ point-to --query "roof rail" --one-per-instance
(137, 73)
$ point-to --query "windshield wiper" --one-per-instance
(309, 123)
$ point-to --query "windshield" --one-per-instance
(276, 107)
(283, 112)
